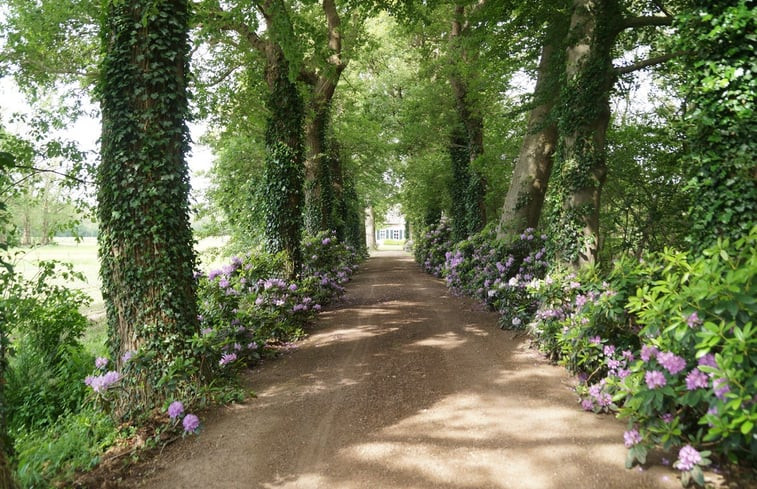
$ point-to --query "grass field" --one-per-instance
(83, 256)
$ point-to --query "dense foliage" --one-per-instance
(146, 253)
(720, 88)
(284, 172)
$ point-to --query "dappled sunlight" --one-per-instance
(475, 330)
(460, 467)
(349, 334)
(471, 416)
(445, 341)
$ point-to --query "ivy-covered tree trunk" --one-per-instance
(528, 186)
(318, 197)
(354, 216)
(460, 162)
(466, 144)
(284, 172)
(320, 201)
(146, 244)
(338, 212)
(583, 122)
(721, 82)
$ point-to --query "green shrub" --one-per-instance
(699, 314)
(432, 245)
(74, 442)
(668, 342)
(47, 361)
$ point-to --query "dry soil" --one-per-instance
(403, 385)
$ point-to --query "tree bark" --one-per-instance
(322, 86)
(466, 143)
(528, 186)
(370, 229)
(146, 243)
(284, 173)
(584, 122)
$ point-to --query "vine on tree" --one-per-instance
(284, 165)
(146, 244)
(721, 82)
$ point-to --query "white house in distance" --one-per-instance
(393, 227)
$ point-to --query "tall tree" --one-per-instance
(528, 185)
(147, 259)
(323, 166)
(284, 172)
(467, 133)
(6, 184)
(585, 116)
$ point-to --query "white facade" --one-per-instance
(393, 227)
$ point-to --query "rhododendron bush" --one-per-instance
(667, 342)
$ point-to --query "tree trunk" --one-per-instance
(370, 229)
(319, 202)
(316, 210)
(146, 243)
(460, 162)
(583, 123)
(26, 237)
(284, 173)
(466, 144)
(44, 238)
(528, 186)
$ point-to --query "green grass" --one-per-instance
(83, 256)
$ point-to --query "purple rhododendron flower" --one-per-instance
(595, 340)
(317, 307)
(667, 417)
(175, 409)
(587, 404)
(101, 362)
(609, 350)
(227, 358)
(672, 362)
(252, 346)
(655, 379)
(648, 352)
(190, 423)
(127, 356)
(688, 457)
(223, 283)
(631, 438)
(693, 320)
(696, 379)
(721, 388)
(326, 241)
(708, 360)
(101, 383)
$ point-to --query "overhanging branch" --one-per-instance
(640, 65)
(644, 21)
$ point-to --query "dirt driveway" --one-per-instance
(405, 386)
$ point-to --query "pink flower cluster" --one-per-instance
(101, 383)
(190, 423)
